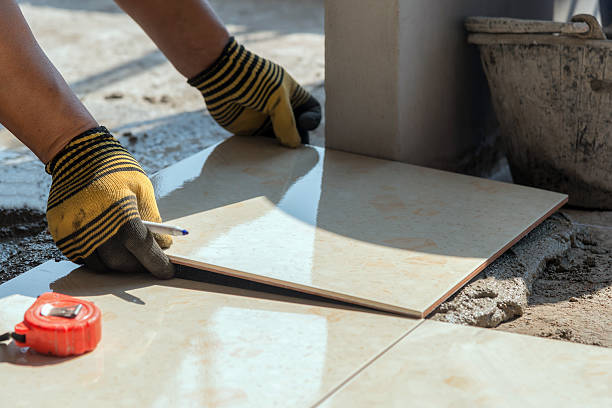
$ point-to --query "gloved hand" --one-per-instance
(247, 94)
(98, 196)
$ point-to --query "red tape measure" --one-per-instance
(59, 325)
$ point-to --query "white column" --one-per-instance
(403, 84)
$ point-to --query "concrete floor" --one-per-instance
(555, 283)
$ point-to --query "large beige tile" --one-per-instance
(374, 232)
(11, 311)
(183, 343)
(445, 365)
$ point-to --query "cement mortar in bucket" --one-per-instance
(551, 85)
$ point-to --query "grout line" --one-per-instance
(366, 365)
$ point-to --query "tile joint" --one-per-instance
(366, 365)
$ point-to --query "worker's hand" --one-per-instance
(98, 197)
(246, 94)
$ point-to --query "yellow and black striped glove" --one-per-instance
(249, 95)
(98, 196)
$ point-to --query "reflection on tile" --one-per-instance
(373, 232)
(12, 310)
(183, 343)
(442, 365)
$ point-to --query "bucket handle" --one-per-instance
(582, 26)
(595, 31)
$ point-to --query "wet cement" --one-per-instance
(572, 298)
(24, 242)
(501, 291)
(556, 282)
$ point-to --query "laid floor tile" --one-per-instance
(183, 343)
(445, 365)
(11, 311)
(373, 232)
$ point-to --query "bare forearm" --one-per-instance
(188, 32)
(36, 104)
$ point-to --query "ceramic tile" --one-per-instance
(183, 343)
(11, 311)
(373, 232)
(444, 365)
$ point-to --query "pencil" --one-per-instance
(164, 229)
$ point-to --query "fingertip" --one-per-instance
(308, 117)
(165, 273)
(309, 120)
(164, 241)
(145, 247)
(304, 136)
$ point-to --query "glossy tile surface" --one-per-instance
(183, 343)
(445, 365)
(384, 234)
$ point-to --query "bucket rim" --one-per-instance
(534, 39)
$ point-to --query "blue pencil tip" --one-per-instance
(185, 232)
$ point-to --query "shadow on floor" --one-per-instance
(120, 72)
(83, 282)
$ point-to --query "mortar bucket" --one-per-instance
(551, 86)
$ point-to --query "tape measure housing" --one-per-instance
(60, 325)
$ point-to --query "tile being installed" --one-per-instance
(446, 365)
(183, 343)
(373, 232)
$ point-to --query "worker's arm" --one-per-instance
(99, 192)
(246, 94)
(36, 104)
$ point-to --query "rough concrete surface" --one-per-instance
(24, 242)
